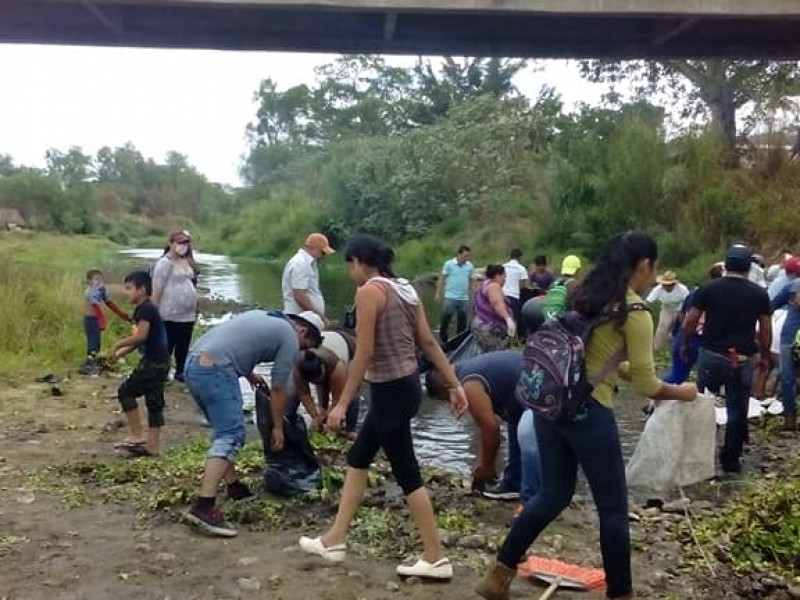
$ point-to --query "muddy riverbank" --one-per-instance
(79, 522)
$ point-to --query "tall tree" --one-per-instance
(436, 90)
(719, 88)
(71, 167)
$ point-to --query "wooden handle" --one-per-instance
(551, 591)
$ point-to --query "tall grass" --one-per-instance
(42, 309)
(39, 319)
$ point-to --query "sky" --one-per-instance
(197, 102)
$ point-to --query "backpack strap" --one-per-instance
(620, 355)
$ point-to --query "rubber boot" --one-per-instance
(790, 422)
(497, 583)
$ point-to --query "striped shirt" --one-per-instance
(394, 355)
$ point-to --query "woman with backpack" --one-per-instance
(610, 294)
(175, 295)
(494, 325)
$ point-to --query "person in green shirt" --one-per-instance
(624, 271)
(555, 303)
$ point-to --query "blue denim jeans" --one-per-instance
(450, 308)
(713, 372)
(512, 474)
(94, 337)
(216, 391)
(531, 472)
(681, 369)
(788, 380)
(593, 443)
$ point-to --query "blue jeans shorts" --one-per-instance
(216, 391)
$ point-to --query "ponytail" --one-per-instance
(606, 286)
(372, 252)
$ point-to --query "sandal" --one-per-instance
(128, 444)
(139, 450)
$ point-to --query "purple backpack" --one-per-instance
(554, 383)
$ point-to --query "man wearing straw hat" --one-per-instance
(670, 294)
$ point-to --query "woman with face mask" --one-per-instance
(175, 294)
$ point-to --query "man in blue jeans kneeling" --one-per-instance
(212, 372)
(489, 381)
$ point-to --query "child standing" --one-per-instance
(149, 376)
(94, 319)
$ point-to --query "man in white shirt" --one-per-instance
(670, 294)
(516, 278)
(300, 281)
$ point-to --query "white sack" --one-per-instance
(677, 446)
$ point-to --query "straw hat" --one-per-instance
(668, 278)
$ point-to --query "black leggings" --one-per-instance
(388, 425)
(179, 338)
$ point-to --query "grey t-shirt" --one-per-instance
(178, 301)
(251, 338)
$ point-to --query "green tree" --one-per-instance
(720, 88)
(437, 90)
(70, 167)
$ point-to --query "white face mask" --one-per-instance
(182, 249)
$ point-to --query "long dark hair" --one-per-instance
(372, 252)
(311, 367)
(606, 286)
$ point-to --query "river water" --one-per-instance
(440, 439)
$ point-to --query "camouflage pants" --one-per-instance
(490, 337)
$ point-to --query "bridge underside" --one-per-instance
(532, 28)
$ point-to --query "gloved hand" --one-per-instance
(511, 327)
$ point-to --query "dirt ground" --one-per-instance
(105, 550)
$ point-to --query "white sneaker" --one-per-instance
(334, 554)
(441, 569)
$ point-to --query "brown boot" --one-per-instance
(790, 422)
(497, 582)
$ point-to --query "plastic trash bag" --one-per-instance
(294, 470)
(755, 410)
(677, 446)
(467, 348)
(248, 395)
(457, 348)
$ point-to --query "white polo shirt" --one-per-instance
(515, 275)
(301, 273)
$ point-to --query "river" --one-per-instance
(440, 439)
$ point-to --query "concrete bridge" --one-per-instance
(531, 28)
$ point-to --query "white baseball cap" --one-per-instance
(313, 320)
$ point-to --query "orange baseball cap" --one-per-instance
(319, 241)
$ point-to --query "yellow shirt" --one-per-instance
(636, 336)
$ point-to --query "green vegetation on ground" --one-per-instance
(761, 530)
(169, 484)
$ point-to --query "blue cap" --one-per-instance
(738, 259)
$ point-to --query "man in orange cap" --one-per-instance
(300, 281)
